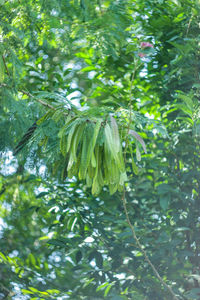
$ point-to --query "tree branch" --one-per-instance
(31, 96)
(38, 100)
(4, 61)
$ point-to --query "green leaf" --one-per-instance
(138, 154)
(3, 257)
(2, 69)
(92, 142)
(193, 293)
(134, 166)
(33, 290)
(115, 134)
(99, 259)
(26, 292)
(108, 289)
(102, 286)
(164, 201)
(163, 188)
(53, 291)
(56, 242)
(41, 195)
(78, 256)
(45, 117)
(31, 259)
(88, 69)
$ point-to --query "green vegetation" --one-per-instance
(100, 149)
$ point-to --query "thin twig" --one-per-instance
(130, 109)
(4, 85)
(125, 206)
(142, 250)
(8, 292)
(4, 61)
(188, 28)
(100, 8)
(31, 96)
(38, 100)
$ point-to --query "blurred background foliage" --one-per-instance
(57, 241)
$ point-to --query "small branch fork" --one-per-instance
(139, 245)
(31, 96)
(38, 100)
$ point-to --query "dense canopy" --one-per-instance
(100, 149)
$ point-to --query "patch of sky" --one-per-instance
(89, 239)
(42, 170)
(17, 292)
(54, 208)
(155, 217)
(92, 74)
(57, 258)
(81, 42)
(40, 189)
(70, 260)
(54, 12)
(149, 116)
(93, 263)
(120, 276)
(75, 98)
(143, 72)
(71, 235)
(14, 253)
(10, 163)
(3, 225)
(71, 65)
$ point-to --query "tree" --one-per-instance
(87, 87)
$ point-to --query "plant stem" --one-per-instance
(31, 96)
(140, 246)
(142, 250)
(38, 100)
(4, 61)
(130, 109)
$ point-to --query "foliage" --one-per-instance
(82, 94)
